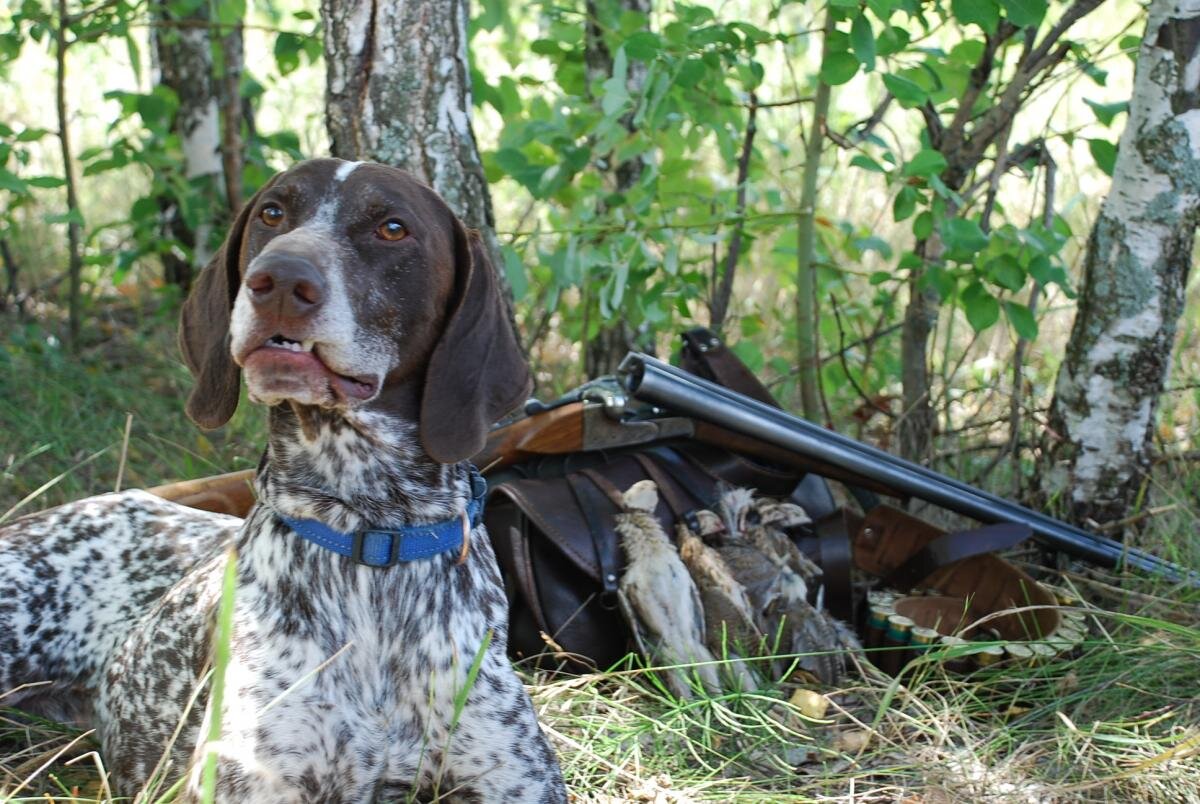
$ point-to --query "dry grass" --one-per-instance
(1118, 721)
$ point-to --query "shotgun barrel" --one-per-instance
(651, 380)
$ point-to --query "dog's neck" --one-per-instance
(356, 470)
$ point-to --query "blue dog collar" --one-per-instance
(383, 548)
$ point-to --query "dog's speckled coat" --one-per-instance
(343, 678)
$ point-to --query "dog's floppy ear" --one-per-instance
(204, 329)
(477, 372)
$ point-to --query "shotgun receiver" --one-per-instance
(652, 381)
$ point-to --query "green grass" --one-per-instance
(62, 420)
(1118, 721)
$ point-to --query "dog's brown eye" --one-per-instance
(392, 230)
(271, 215)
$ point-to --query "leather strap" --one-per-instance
(836, 561)
(670, 495)
(706, 355)
(508, 528)
(605, 485)
(695, 480)
(953, 547)
(593, 500)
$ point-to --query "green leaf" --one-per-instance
(643, 45)
(891, 40)
(963, 236)
(1006, 272)
(984, 13)
(287, 52)
(10, 182)
(867, 163)
(927, 162)
(923, 225)
(1106, 112)
(1105, 154)
(879, 277)
(941, 280)
(690, 73)
(981, 307)
(862, 41)
(882, 8)
(1024, 13)
(135, 56)
(74, 216)
(145, 207)
(616, 92)
(230, 12)
(47, 182)
(1021, 319)
(514, 271)
(546, 47)
(905, 203)
(907, 93)
(32, 134)
(838, 68)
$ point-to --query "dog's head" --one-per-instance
(339, 285)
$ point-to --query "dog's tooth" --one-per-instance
(307, 346)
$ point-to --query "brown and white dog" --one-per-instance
(363, 313)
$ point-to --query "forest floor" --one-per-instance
(1117, 721)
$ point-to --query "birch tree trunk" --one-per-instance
(398, 91)
(182, 47)
(1135, 272)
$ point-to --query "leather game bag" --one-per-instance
(551, 519)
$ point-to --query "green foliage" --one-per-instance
(983, 256)
(638, 250)
(143, 136)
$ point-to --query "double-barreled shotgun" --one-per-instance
(676, 391)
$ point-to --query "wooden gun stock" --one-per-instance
(556, 432)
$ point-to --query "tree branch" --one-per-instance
(724, 291)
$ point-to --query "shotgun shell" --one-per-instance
(1061, 645)
(880, 597)
(1043, 652)
(895, 639)
(1019, 652)
(877, 620)
(955, 664)
(1075, 617)
(922, 639)
(1071, 633)
(989, 655)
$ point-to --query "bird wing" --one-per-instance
(633, 621)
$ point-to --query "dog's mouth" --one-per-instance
(282, 361)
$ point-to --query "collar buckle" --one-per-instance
(358, 543)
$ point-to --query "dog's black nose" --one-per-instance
(287, 284)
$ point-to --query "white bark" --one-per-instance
(183, 52)
(398, 91)
(1139, 256)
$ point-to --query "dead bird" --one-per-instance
(775, 574)
(769, 534)
(657, 595)
(731, 629)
